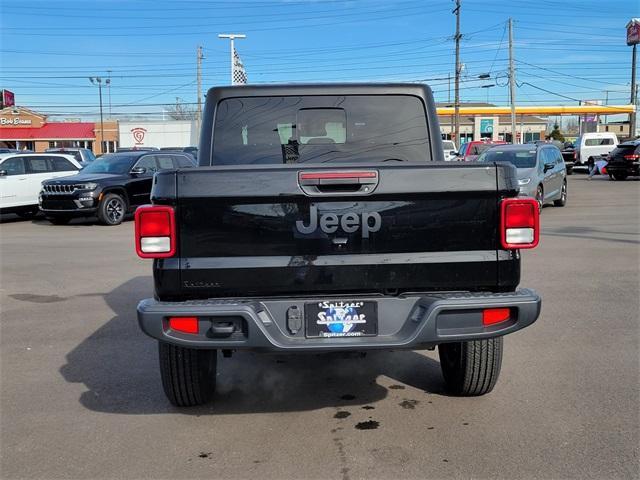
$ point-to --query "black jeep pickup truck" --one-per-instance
(324, 218)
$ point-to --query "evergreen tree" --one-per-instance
(556, 134)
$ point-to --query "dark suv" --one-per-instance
(624, 160)
(109, 187)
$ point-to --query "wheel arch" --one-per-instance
(118, 190)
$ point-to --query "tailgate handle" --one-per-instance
(338, 182)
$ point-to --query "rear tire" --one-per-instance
(188, 374)
(562, 201)
(471, 368)
(59, 220)
(619, 176)
(112, 209)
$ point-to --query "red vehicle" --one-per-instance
(470, 151)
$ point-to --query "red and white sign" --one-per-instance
(138, 135)
(8, 99)
(633, 31)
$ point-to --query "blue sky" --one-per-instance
(48, 49)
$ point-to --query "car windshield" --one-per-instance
(447, 145)
(519, 158)
(111, 164)
(329, 128)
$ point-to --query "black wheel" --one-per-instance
(590, 163)
(562, 201)
(620, 176)
(57, 220)
(188, 374)
(569, 171)
(112, 209)
(28, 213)
(471, 368)
(540, 197)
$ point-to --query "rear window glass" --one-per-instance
(448, 145)
(62, 164)
(38, 164)
(624, 150)
(592, 142)
(518, 158)
(272, 130)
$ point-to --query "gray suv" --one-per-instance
(82, 155)
(542, 173)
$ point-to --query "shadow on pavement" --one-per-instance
(118, 365)
(591, 233)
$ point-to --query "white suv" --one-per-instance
(21, 177)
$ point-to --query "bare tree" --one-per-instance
(181, 111)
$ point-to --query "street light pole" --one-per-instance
(98, 80)
(232, 37)
(512, 85)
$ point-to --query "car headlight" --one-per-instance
(87, 186)
(524, 181)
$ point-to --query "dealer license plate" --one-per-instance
(341, 318)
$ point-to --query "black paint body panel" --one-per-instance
(237, 233)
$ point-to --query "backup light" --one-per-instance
(155, 231)
(520, 223)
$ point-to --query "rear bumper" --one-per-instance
(631, 168)
(415, 321)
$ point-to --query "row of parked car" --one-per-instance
(65, 185)
(544, 165)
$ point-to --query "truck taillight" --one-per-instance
(155, 227)
(520, 223)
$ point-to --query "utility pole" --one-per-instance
(632, 115)
(456, 107)
(232, 37)
(199, 77)
(109, 90)
(512, 84)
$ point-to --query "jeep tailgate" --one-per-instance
(391, 227)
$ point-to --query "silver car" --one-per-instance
(542, 173)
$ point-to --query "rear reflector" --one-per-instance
(155, 231)
(520, 223)
(184, 324)
(491, 316)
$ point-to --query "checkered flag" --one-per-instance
(239, 74)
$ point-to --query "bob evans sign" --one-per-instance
(14, 121)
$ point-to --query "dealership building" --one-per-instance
(25, 129)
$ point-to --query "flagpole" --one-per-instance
(232, 37)
(232, 50)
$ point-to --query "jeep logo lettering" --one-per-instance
(348, 223)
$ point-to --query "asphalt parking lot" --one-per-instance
(81, 394)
